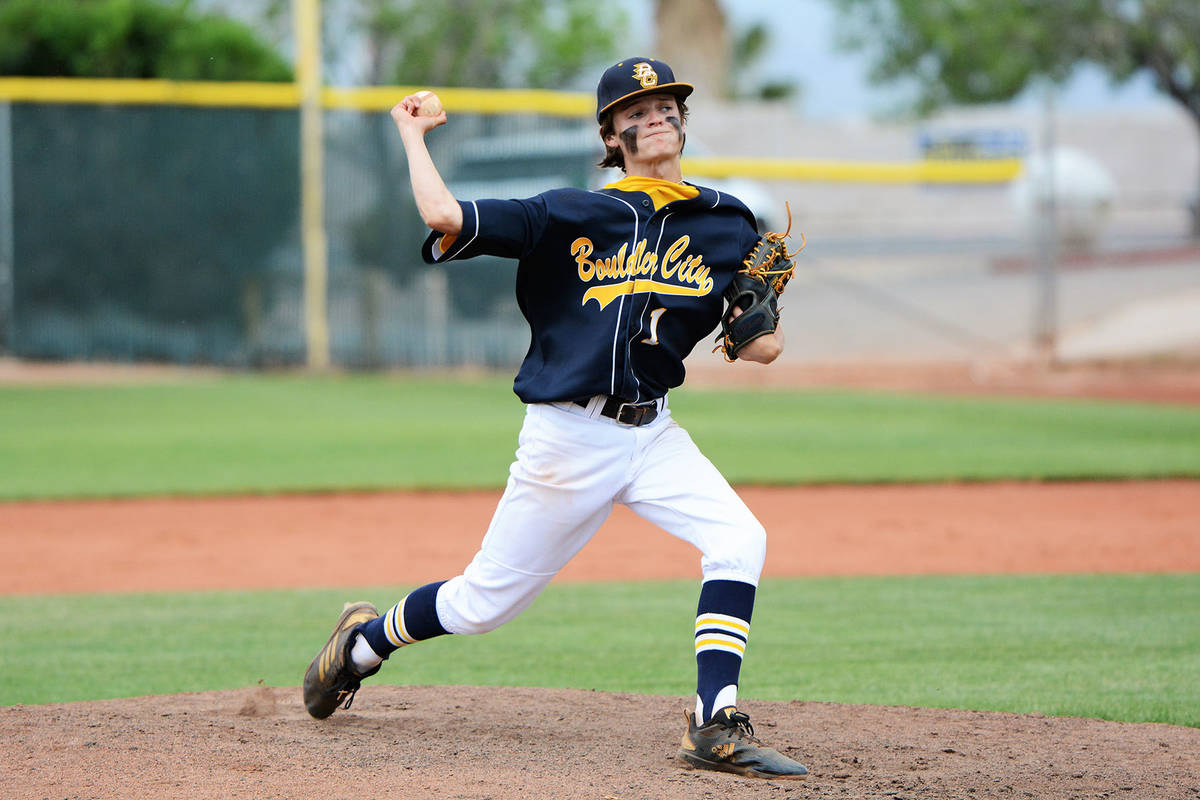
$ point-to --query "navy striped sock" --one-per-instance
(722, 629)
(413, 619)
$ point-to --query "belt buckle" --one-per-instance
(632, 413)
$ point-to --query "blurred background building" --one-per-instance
(171, 232)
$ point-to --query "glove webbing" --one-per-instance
(779, 254)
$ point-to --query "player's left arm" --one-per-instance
(765, 348)
(750, 326)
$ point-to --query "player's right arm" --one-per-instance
(436, 204)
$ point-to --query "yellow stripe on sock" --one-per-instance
(721, 621)
(395, 630)
(724, 642)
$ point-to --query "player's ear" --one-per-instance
(613, 140)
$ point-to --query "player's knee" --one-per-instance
(751, 550)
(479, 624)
(472, 611)
(754, 547)
(740, 554)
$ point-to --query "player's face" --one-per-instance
(648, 128)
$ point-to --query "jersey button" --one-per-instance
(645, 203)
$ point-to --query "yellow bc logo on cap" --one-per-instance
(645, 75)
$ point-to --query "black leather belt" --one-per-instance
(634, 414)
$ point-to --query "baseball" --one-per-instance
(430, 104)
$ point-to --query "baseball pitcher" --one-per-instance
(617, 285)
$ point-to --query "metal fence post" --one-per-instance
(307, 15)
(7, 246)
(1045, 323)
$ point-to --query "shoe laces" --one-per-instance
(348, 690)
(740, 722)
(353, 681)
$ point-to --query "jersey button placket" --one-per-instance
(626, 314)
(632, 334)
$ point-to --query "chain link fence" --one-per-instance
(159, 233)
(172, 233)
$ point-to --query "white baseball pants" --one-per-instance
(572, 464)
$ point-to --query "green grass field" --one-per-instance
(1116, 647)
(294, 433)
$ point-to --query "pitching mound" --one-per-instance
(470, 742)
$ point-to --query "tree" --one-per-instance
(547, 44)
(694, 37)
(544, 44)
(975, 51)
(146, 226)
(748, 51)
(525, 43)
(130, 39)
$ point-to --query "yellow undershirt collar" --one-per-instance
(660, 191)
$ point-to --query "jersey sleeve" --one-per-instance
(748, 241)
(505, 228)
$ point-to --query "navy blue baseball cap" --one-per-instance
(635, 77)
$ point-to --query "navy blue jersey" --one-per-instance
(616, 294)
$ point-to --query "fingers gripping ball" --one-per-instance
(754, 292)
(431, 104)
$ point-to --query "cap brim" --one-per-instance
(679, 89)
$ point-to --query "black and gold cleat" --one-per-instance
(331, 677)
(727, 743)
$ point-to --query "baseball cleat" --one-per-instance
(727, 743)
(331, 677)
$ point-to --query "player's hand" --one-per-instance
(764, 349)
(407, 120)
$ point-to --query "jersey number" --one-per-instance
(655, 316)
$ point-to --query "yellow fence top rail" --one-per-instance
(931, 171)
(488, 101)
(467, 101)
(286, 95)
(149, 92)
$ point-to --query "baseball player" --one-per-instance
(617, 285)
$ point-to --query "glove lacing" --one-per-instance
(775, 240)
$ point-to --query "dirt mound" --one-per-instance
(499, 743)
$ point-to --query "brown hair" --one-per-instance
(613, 157)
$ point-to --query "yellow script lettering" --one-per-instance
(581, 248)
(674, 252)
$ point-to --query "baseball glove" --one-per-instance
(755, 291)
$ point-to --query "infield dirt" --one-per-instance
(465, 742)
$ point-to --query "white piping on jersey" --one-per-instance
(612, 377)
(474, 235)
(662, 227)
